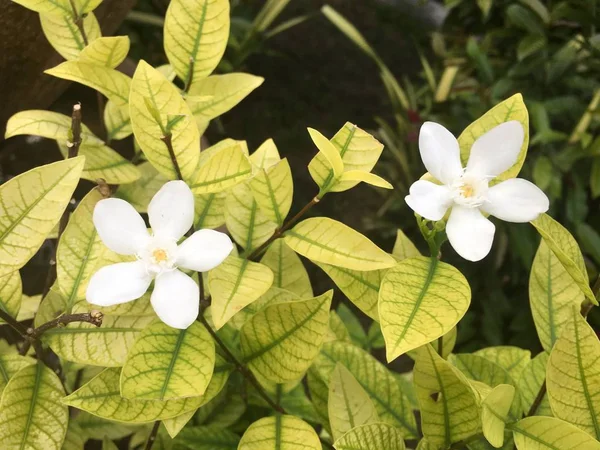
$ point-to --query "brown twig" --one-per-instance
(286, 226)
(152, 436)
(538, 400)
(190, 77)
(10, 320)
(94, 317)
(167, 139)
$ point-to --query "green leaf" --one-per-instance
(167, 363)
(338, 327)
(59, 7)
(330, 152)
(531, 381)
(564, 246)
(149, 87)
(448, 343)
(222, 170)
(573, 375)
(63, 33)
(280, 342)
(29, 306)
(266, 155)
(288, 270)
(273, 190)
(10, 364)
(279, 432)
(392, 405)
(328, 241)
(224, 92)
(74, 439)
(117, 121)
(549, 433)
(93, 426)
(349, 405)
(420, 300)
(106, 51)
(30, 205)
(247, 224)
(512, 359)
(361, 288)
(552, 294)
(273, 295)
(366, 177)
(103, 162)
(31, 415)
(195, 36)
(358, 150)
(209, 210)
(11, 294)
(449, 410)
(207, 438)
(101, 397)
(112, 83)
(140, 192)
(512, 108)
(235, 284)
(403, 247)
(494, 413)
(373, 436)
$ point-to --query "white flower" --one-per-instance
(467, 192)
(171, 212)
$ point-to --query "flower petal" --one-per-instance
(176, 299)
(171, 210)
(428, 199)
(118, 283)
(120, 226)
(204, 250)
(470, 233)
(497, 150)
(516, 200)
(440, 152)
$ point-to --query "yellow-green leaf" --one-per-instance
(224, 169)
(338, 330)
(564, 246)
(330, 152)
(196, 34)
(273, 295)
(449, 410)
(373, 436)
(349, 405)
(106, 51)
(167, 363)
(358, 150)
(30, 205)
(494, 413)
(365, 177)
(235, 284)
(273, 190)
(94, 426)
(279, 433)
(112, 83)
(247, 224)
(420, 300)
(328, 241)
(59, 7)
(103, 162)
(532, 378)
(573, 375)
(117, 121)
(101, 397)
(63, 33)
(11, 294)
(288, 270)
(140, 192)
(512, 108)
(31, 415)
(149, 87)
(207, 437)
(552, 294)
(223, 92)
(176, 424)
(280, 342)
(512, 359)
(10, 364)
(549, 433)
(209, 210)
(74, 439)
(361, 288)
(266, 155)
(29, 306)
(403, 247)
(392, 405)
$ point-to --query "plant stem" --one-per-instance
(286, 226)
(93, 317)
(152, 436)
(190, 77)
(440, 346)
(12, 322)
(538, 400)
(167, 139)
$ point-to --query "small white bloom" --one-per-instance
(171, 212)
(467, 192)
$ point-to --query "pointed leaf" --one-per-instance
(329, 151)
(140, 192)
(494, 413)
(10, 364)
(106, 51)
(273, 190)
(328, 241)
(374, 436)
(531, 381)
(59, 7)
(365, 177)
(176, 424)
(403, 247)
(420, 300)
(149, 87)
(11, 294)
(273, 295)
(31, 415)
(63, 33)
(266, 155)
(30, 205)
(209, 210)
(280, 342)
(207, 438)
(279, 432)
(549, 433)
(117, 121)
(224, 169)
(288, 270)
(449, 411)
(573, 375)
(512, 359)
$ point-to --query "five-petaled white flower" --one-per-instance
(171, 212)
(467, 192)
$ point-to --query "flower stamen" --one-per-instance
(159, 255)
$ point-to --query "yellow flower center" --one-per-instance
(467, 191)
(159, 255)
